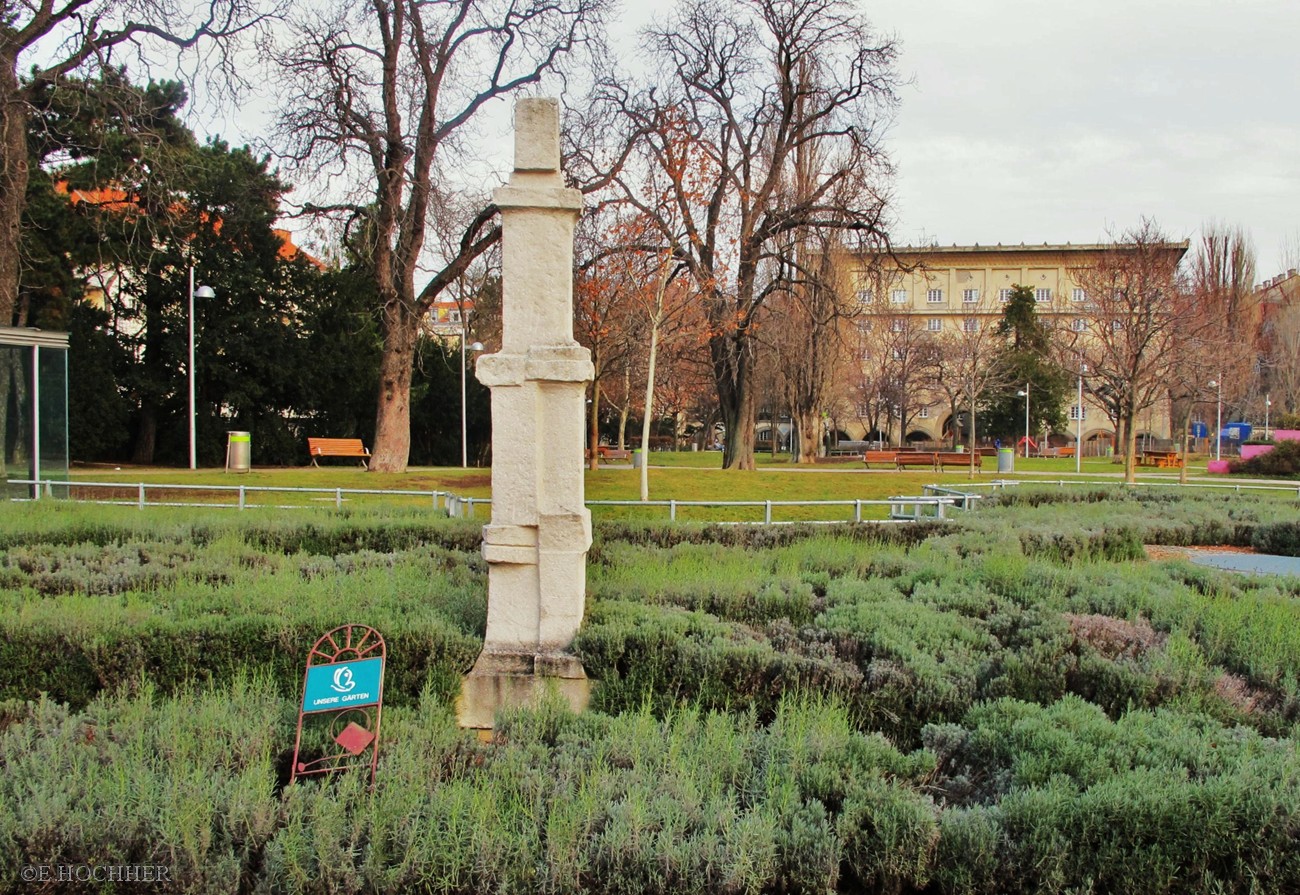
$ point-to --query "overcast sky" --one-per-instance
(1067, 122)
(1046, 121)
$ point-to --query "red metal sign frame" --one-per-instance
(343, 644)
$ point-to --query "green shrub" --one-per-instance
(1283, 460)
(1280, 538)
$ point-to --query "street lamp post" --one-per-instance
(1078, 438)
(1267, 404)
(1218, 415)
(201, 292)
(464, 440)
(1025, 394)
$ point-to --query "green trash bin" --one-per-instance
(637, 458)
(1006, 459)
(239, 451)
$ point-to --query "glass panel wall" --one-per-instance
(33, 410)
(16, 417)
(52, 415)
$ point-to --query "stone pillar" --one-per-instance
(536, 544)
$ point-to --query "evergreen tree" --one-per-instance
(1026, 361)
(128, 171)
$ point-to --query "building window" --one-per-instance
(896, 325)
(934, 324)
(1078, 324)
(1075, 413)
(1079, 294)
(934, 296)
(923, 413)
(897, 354)
(1042, 295)
(864, 296)
(1004, 295)
(866, 324)
(970, 325)
(898, 297)
(1116, 326)
(970, 296)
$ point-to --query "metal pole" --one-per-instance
(1218, 417)
(1078, 441)
(1267, 404)
(464, 448)
(36, 422)
(190, 370)
(1026, 420)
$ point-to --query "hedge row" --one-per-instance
(204, 598)
(909, 637)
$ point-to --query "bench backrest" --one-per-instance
(335, 445)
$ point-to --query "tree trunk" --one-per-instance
(155, 379)
(392, 449)
(1187, 437)
(1130, 445)
(13, 193)
(593, 419)
(733, 375)
(972, 447)
(624, 410)
(5, 379)
(649, 404)
(14, 174)
(808, 444)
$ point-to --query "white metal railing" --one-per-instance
(243, 497)
(935, 505)
(999, 484)
(139, 492)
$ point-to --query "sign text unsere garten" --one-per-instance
(342, 685)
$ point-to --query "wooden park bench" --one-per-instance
(605, 452)
(1160, 459)
(1058, 452)
(886, 457)
(914, 458)
(337, 447)
(846, 448)
(944, 459)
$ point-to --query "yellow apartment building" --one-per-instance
(937, 289)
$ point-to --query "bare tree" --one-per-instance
(1281, 347)
(1222, 281)
(1134, 319)
(603, 312)
(967, 365)
(897, 354)
(808, 330)
(387, 92)
(744, 84)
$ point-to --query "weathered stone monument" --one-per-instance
(536, 544)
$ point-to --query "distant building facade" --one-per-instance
(932, 290)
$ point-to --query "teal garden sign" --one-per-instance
(342, 699)
(348, 684)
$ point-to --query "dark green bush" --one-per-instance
(1280, 538)
(1283, 460)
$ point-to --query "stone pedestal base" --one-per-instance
(519, 680)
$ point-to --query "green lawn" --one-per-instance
(682, 476)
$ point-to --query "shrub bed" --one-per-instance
(1016, 701)
(1013, 798)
